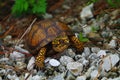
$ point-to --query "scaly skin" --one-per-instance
(40, 58)
(77, 43)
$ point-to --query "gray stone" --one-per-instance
(75, 68)
(65, 60)
(110, 61)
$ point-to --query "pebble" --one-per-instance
(85, 63)
(87, 29)
(59, 77)
(110, 61)
(4, 59)
(105, 34)
(78, 57)
(75, 68)
(26, 75)
(95, 49)
(20, 65)
(0, 78)
(2, 71)
(17, 56)
(86, 12)
(12, 77)
(93, 56)
(112, 44)
(71, 53)
(62, 68)
(54, 62)
(81, 78)
(31, 64)
(94, 74)
(37, 77)
(65, 60)
(101, 53)
(94, 36)
(70, 76)
(21, 49)
(86, 52)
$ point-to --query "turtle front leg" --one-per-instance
(77, 43)
(40, 58)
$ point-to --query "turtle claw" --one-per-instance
(40, 58)
(39, 65)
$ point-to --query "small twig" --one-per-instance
(13, 68)
(28, 29)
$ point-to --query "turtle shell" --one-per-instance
(44, 32)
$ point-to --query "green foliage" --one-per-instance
(37, 7)
(112, 3)
(81, 38)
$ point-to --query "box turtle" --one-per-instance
(50, 32)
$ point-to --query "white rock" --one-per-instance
(31, 64)
(81, 78)
(71, 53)
(62, 68)
(79, 57)
(2, 71)
(59, 77)
(4, 59)
(85, 62)
(87, 29)
(21, 49)
(54, 62)
(17, 56)
(12, 77)
(87, 74)
(69, 76)
(20, 65)
(0, 78)
(36, 77)
(75, 68)
(26, 76)
(47, 60)
(94, 74)
(86, 52)
(110, 61)
(104, 78)
(95, 49)
(114, 59)
(65, 60)
(112, 44)
(86, 12)
(93, 56)
(119, 49)
(101, 53)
